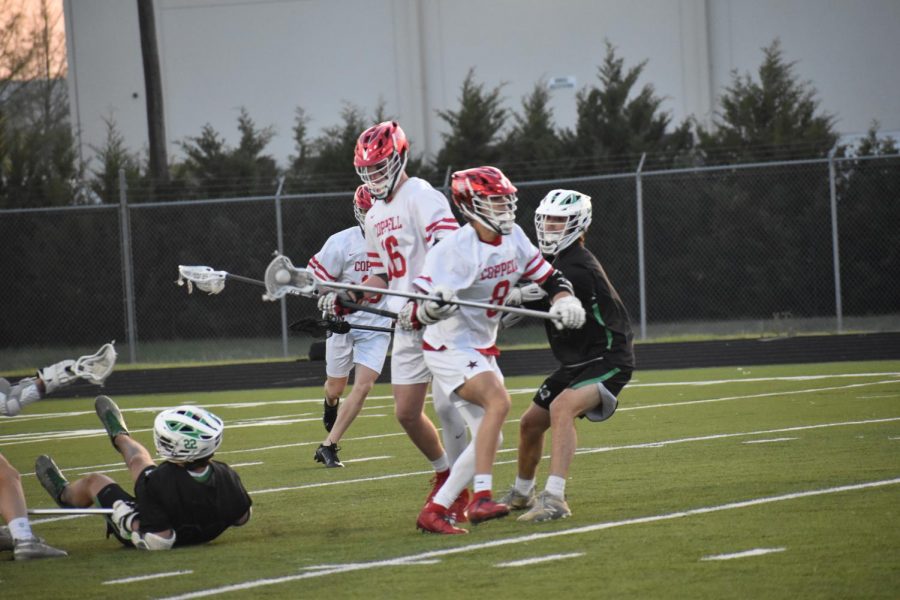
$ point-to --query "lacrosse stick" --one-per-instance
(283, 278)
(70, 511)
(209, 280)
(96, 367)
(318, 328)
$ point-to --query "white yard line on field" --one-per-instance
(657, 444)
(515, 391)
(146, 577)
(534, 537)
(26, 438)
(744, 554)
(783, 439)
(539, 559)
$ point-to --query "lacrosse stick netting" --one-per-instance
(97, 367)
(205, 278)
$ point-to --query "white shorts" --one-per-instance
(451, 368)
(407, 363)
(366, 348)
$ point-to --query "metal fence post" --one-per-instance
(642, 275)
(127, 268)
(280, 236)
(835, 250)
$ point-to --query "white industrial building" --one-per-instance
(272, 56)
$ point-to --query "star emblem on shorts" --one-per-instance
(472, 364)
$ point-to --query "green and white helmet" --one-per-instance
(574, 206)
(187, 433)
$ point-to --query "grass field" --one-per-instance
(770, 482)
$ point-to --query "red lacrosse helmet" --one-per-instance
(484, 194)
(380, 156)
(362, 202)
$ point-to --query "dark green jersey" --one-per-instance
(607, 330)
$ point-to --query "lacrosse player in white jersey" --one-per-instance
(483, 261)
(343, 259)
(407, 219)
(17, 535)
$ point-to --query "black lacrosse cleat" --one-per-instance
(327, 455)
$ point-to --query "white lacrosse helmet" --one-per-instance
(574, 206)
(187, 433)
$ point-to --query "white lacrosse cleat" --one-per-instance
(516, 500)
(94, 368)
(35, 547)
(547, 507)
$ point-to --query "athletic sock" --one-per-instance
(556, 486)
(483, 483)
(524, 486)
(20, 529)
(441, 464)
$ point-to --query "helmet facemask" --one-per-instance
(555, 235)
(494, 212)
(380, 179)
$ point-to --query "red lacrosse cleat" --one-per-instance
(434, 519)
(483, 508)
(457, 510)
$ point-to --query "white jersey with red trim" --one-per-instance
(399, 233)
(482, 272)
(343, 259)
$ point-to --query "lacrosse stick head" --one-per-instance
(205, 278)
(311, 326)
(283, 278)
(97, 367)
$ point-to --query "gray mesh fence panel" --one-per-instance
(63, 289)
(735, 250)
(868, 196)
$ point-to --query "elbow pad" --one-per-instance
(556, 283)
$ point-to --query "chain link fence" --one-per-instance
(767, 249)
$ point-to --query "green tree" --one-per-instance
(616, 123)
(533, 145)
(474, 136)
(776, 117)
(113, 156)
(214, 169)
(38, 164)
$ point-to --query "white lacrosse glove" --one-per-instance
(330, 304)
(94, 368)
(521, 294)
(568, 313)
(407, 318)
(510, 319)
(432, 311)
(123, 515)
(57, 375)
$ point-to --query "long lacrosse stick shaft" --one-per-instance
(346, 303)
(70, 511)
(471, 303)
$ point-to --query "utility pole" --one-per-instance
(156, 129)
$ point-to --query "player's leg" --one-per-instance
(369, 350)
(448, 505)
(453, 426)
(17, 534)
(532, 429)
(363, 380)
(338, 362)
(137, 458)
(12, 496)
